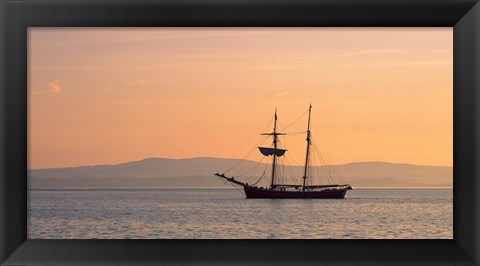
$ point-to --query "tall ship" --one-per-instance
(306, 186)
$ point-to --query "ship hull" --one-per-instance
(258, 193)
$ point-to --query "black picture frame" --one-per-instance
(17, 15)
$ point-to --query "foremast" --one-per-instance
(275, 151)
(275, 140)
(307, 156)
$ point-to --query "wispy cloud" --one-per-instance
(355, 53)
(109, 88)
(51, 87)
(373, 52)
(140, 82)
(281, 94)
(55, 87)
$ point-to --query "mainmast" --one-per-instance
(308, 149)
(275, 140)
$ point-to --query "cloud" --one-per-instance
(140, 82)
(281, 94)
(109, 88)
(375, 51)
(55, 87)
(51, 87)
(381, 51)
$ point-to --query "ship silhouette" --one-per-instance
(305, 189)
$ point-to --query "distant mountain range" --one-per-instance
(198, 172)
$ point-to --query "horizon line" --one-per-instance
(210, 157)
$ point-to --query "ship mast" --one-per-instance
(275, 147)
(308, 149)
(267, 151)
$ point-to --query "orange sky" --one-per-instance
(104, 96)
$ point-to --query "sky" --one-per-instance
(113, 95)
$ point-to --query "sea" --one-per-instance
(225, 213)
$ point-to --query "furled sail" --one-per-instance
(271, 151)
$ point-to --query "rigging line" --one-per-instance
(278, 171)
(254, 149)
(290, 170)
(238, 189)
(316, 145)
(295, 174)
(260, 141)
(263, 175)
(245, 175)
(327, 170)
(285, 170)
(323, 162)
(293, 160)
(268, 167)
(333, 171)
(296, 120)
(233, 185)
(323, 159)
(253, 168)
(242, 160)
(251, 138)
(313, 170)
(317, 125)
(315, 167)
(287, 167)
(284, 176)
(283, 162)
(292, 173)
(321, 169)
(247, 164)
(335, 174)
(295, 133)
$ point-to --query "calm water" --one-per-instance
(225, 213)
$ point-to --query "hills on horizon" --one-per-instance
(198, 172)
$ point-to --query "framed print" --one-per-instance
(71, 127)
